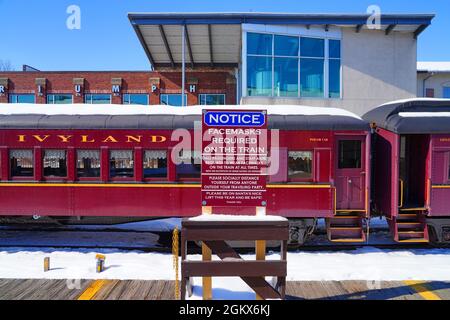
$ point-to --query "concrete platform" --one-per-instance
(27, 289)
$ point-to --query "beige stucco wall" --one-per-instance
(375, 69)
(436, 81)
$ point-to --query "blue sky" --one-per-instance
(34, 32)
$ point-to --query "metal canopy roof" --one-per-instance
(214, 39)
(412, 116)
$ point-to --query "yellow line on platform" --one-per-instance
(92, 290)
(421, 288)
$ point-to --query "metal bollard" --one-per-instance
(100, 263)
(46, 264)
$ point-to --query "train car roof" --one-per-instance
(412, 116)
(113, 116)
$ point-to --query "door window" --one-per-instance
(349, 154)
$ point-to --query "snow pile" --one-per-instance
(363, 264)
(118, 109)
(433, 66)
(226, 217)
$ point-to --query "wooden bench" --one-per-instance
(214, 235)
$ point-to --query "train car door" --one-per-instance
(350, 173)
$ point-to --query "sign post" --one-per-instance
(234, 167)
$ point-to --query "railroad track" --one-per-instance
(164, 242)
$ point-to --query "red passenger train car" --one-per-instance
(117, 161)
(411, 168)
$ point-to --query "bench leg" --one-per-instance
(260, 255)
(206, 281)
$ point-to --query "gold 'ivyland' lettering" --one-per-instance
(64, 138)
(88, 139)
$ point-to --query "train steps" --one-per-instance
(346, 227)
(410, 227)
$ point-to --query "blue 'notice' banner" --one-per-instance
(235, 119)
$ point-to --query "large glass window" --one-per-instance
(59, 98)
(121, 163)
(97, 98)
(21, 163)
(334, 75)
(88, 163)
(349, 154)
(55, 163)
(155, 164)
(211, 99)
(188, 164)
(135, 98)
(312, 51)
(446, 93)
(311, 77)
(173, 99)
(299, 165)
(286, 46)
(292, 66)
(286, 77)
(259, 76)
(259, 43)
(22, 98)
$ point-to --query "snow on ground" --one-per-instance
(366, 264)
(361, 264)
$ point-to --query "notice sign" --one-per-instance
(234, 158)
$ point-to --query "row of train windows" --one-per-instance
(88, 163)
(122, 164)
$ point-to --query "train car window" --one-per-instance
(55, 163)
(21, 163)
(155, 163)
(188, 164)
(349, 154)
(300, 165)
(88, 163)
(121, 164)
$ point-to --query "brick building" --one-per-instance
(324, 60)
(117, 87)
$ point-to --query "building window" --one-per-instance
(97, 98)
(121, 164)
(21, 163)
(135, 98)
(334, 68)
(173, 99)
(188, 164)
(59, 98)
(292, 66)
(429, 93)
(155, 164)
(22, 98)
(211, 99)
(299, 165)
(349, 154)
(54, 163)
(446, 93)
(88, 163)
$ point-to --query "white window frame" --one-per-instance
(212, 94)
(91, 94)
(333, 33)
(56, 94)
(143, 94)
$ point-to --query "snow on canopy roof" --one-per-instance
(412, 116)
(433, 66)
(113, 116)
(119, 109)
